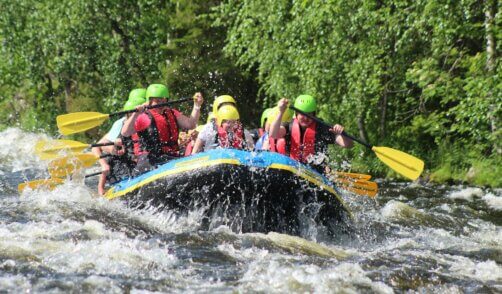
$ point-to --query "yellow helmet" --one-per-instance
(210, 116)
(286, 117)
(227, 112)
(222, 99)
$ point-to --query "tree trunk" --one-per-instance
(362, 127)
(491, 53)
(67, 94)
(383, 116)
(491, 62)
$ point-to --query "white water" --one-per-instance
(416, 238)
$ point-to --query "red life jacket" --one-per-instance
(136, 149)
(189, 148)
(278, 145)
(161, 137)
(237, 140)
(302, 149)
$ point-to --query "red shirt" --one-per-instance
(143, 122)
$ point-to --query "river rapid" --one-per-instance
(413, 238)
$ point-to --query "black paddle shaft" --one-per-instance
(320, 121)
(120, 113)
(108, 144)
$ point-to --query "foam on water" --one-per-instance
(20, 153)
(277, 274)
(494, 202)
(466, 194)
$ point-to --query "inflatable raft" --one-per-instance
(248, 191)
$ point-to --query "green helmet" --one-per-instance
(130, 105)
(137, 94)
(264, 116)
(306, 103)
(156, 91)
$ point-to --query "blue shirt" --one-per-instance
(259, 144)
(114, 132)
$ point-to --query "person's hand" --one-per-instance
(141, 108)
(119, 147)
(337, 129)
(198, 99)
(283, 104)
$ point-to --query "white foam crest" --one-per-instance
(276, 275)
(396, 210)
(494, 202)
(466, 194)
(74, 197)
(20, 151)
(102, 251)
(488, 234)
(130, 257)
(484, 271)
(14, 283)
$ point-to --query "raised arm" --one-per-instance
(276, 130)
(189, 123)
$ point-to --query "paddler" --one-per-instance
(122, 162)
(211, 127)
(303, 139)
(229, 133)
(158, 128)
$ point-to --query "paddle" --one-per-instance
(403, 163)
(351, 175)
(360, 187)
(64, 166)
(360, 191)
(77, 122)
(49, 184)
(51, 149)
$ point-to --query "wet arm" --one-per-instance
(198, 146)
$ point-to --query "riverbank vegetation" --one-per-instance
(420, 76)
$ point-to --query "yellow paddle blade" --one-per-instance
(359, 191)
(362, 184)
(407, 165)
(65, 166)
(51, 149)
(77, 122)
(49, 184)
(352, 175)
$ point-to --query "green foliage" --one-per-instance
(407, 73)
(413, 75)
(58, 56)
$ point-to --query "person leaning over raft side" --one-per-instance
(122, 161)
(158, 128)
(230, 133)
(211, 128)
(304, 140)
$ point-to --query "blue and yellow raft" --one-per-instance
(248, 191)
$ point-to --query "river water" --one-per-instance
(413, 238)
